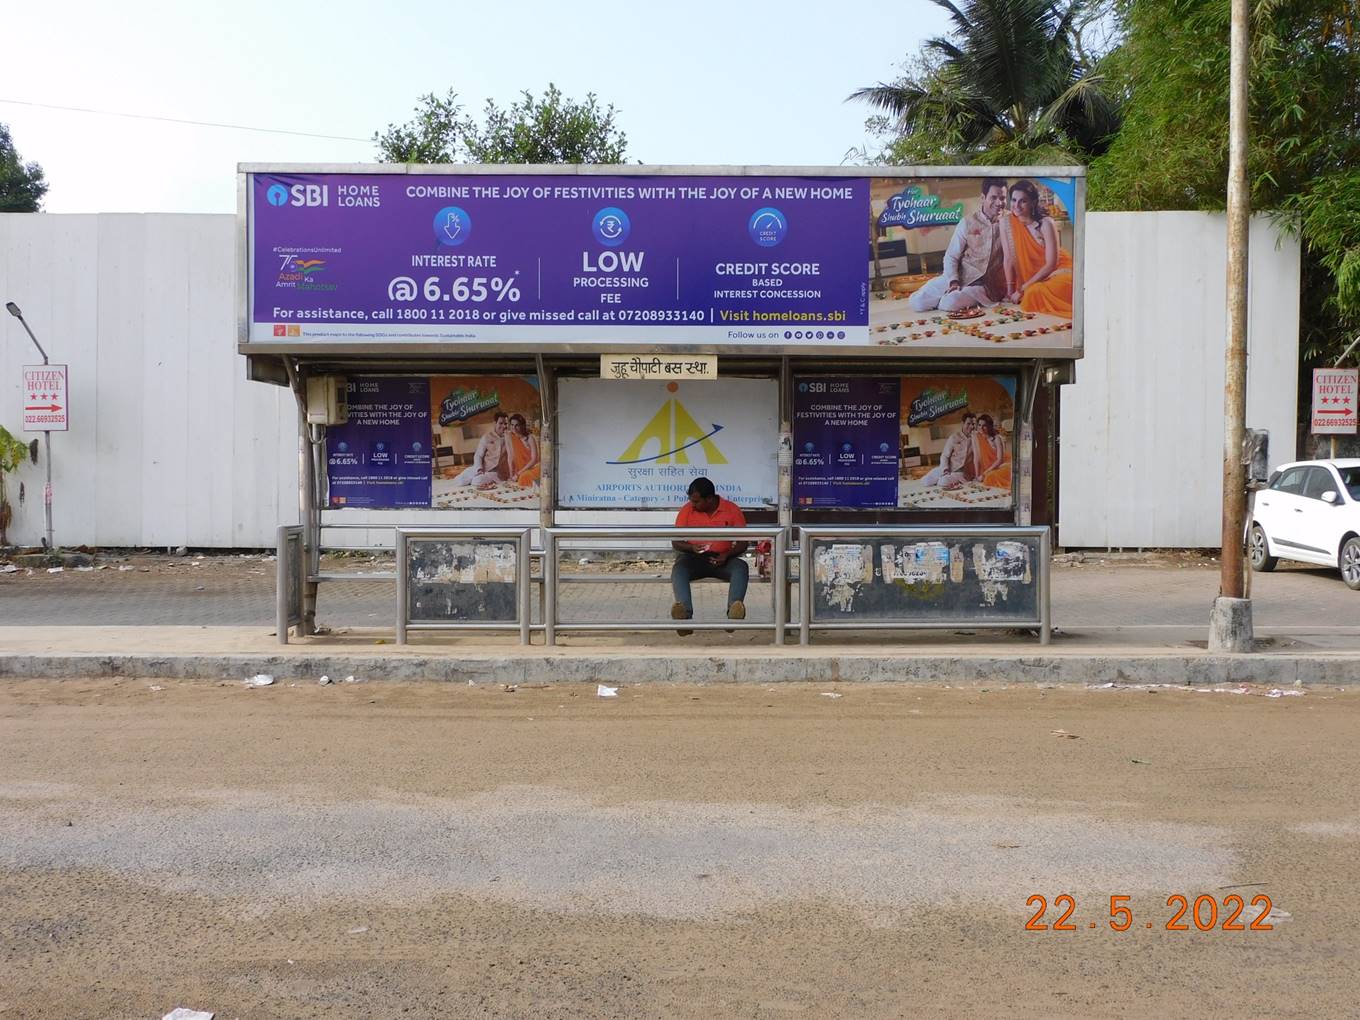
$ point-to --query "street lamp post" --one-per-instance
(13, 310)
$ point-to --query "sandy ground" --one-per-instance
(385, 850)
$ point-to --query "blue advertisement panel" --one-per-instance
(795, 262)
(381, 458)
(845, 448)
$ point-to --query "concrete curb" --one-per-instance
(1273, 670)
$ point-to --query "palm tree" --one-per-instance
(1010, 84)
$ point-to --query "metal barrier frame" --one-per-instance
(521, 534)
(552, 536)
(288, 565)
(291, 558)
(806, 535)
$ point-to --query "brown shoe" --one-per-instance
(736, 611)
(679, 612)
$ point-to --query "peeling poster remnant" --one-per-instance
(465, 562)
(1006, 566)
(464, 580)
(927, 562)
(842, 569)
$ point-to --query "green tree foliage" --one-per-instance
(22, 186)
(1172, 152)
(553, 129)
(1013, 83)
(12, 454)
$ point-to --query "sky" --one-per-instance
(702, 82)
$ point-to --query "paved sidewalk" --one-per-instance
(1117, 619)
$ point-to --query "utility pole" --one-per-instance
(1230, 626)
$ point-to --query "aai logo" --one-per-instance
(767, 227)
(611, 227)
(669, 435)
(277, 194)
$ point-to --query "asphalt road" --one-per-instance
(395, 850)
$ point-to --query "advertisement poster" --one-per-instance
(487, 451)
(845, 437)
(631, 445)
(957, 435)
(963, 262)
(722, 261)
(380, 459)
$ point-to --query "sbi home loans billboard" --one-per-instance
(484, 258)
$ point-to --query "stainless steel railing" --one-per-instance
(292, 572)
(557, 538)
(811, 536)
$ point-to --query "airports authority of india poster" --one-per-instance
(637, 445)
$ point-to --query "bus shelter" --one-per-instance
(501, 364)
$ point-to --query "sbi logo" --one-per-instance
(452, 226)
(611, 227)
(767, 227)
(299, 195)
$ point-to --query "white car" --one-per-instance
(1309, 511)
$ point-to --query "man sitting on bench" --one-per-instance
(722, 560)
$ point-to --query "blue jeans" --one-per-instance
(689, 567)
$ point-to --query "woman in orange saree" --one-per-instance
(990, 454)
(1038, 271)
(525, 464)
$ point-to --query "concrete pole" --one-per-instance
(1230, 624)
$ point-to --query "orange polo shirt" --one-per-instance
(727, 515)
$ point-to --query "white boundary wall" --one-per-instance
(170, 445)
(1142, 429)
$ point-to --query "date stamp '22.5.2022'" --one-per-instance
(1203, 913)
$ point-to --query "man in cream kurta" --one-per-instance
(973, 272)
(957, 463)
(491, 463)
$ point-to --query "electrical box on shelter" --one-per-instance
(327, 400)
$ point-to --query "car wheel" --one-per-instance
(1349, 562)
(1259, 551)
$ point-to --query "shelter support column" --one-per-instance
(785, 482)
(308, 516)
(547, 489)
